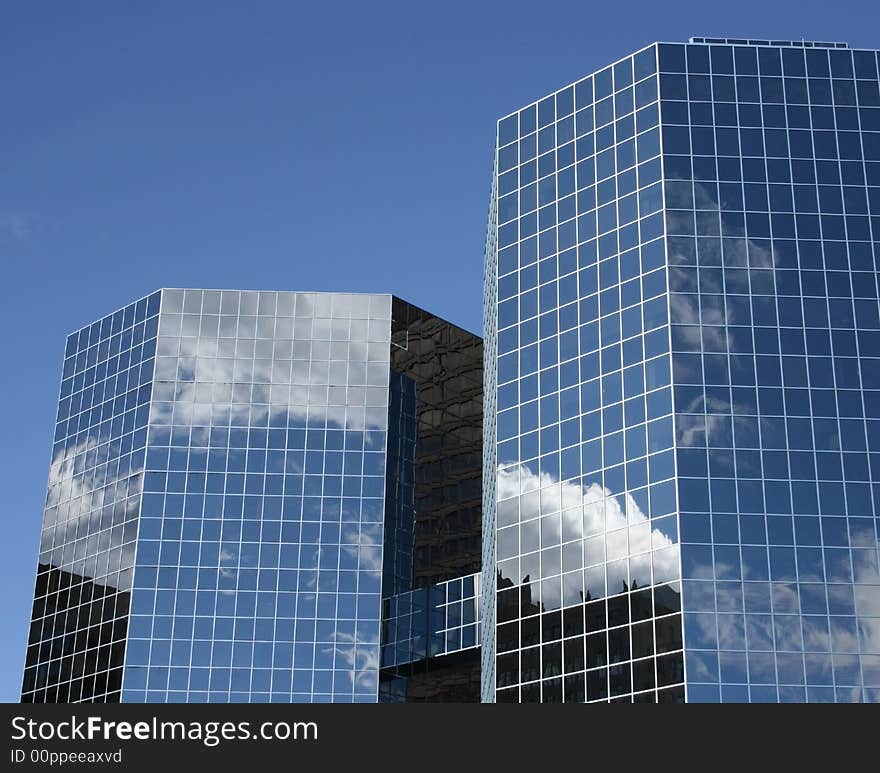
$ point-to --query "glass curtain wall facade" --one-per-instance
(429, 643)
(687, 332)
(772, 191)
(259, 555)
(224, 495)
(278, 496)
(431, 610)
(490, 377)
(587, 556)
(82, 596)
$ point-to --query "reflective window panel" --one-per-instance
(82, 598)
(772, 202)
(237, 480)
(433, 511)
(682, 314)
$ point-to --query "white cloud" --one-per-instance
(17, 226)
(593, 511)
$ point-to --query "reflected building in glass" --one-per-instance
(293, 497)
(238, 479)
(683, 339)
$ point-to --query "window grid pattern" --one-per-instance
(400, 509)
(81, 600)
(587, 555)
(437, 620)
(259, 553)
(490, 332)
(775, 43)
(444, 364)
(433, 505)
(772, 160)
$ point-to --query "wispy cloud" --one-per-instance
(16, 226)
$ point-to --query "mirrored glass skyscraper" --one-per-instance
(683, 340)
(663, 486)
(237, 480)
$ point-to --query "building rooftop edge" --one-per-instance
(148, 295)
(751, 42)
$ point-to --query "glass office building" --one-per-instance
(237, 480)
(683, 339)
(292, 497)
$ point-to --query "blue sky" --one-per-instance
(270, 145)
